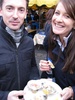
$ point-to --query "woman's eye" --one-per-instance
(67, 16)
(57, 13)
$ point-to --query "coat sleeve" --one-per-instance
(74, 92)
(35, 70)
(45, 43)
(3, 95)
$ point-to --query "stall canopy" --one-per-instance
(48, 3)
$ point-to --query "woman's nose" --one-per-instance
(59, 18)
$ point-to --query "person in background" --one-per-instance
(47, 27)
(61, 48)
(35, 20)
(17, 56)
(28, 19)
(42, 19)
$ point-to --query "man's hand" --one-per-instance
(14, 95)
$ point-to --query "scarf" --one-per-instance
(15, 34)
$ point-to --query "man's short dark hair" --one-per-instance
(1, 3)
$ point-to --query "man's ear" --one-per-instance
(74, 26)
(26, 14)
(0, 12)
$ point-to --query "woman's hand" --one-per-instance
(14, 95)
(67, 93)
(44, 65)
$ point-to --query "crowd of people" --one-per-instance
(35, 19)
(17, 52)
(32, 19)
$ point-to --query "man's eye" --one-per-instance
(21, 10)
(9, 9)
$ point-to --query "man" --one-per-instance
(17, 58)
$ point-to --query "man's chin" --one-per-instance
(14, 28)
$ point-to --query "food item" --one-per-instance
(51, 64)
(48, 90)
(34, 85)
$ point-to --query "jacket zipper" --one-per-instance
(18, 69)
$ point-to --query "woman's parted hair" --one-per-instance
(49, 14)
(69, 6)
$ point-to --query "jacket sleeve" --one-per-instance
(74, 92)
(45, 43)
(3, 95)
(35, 71)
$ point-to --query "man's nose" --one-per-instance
(15, 14)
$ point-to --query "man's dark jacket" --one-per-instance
(17, 65)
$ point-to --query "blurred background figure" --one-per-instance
(35, 20)
(47, 25)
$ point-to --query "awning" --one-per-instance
(48, 3)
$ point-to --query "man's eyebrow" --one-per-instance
(9, 6)
(22, 7)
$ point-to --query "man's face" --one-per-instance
(14, 12)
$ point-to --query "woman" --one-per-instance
(61, 48)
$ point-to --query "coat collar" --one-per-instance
(56, 51)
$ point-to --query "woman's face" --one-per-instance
(62, 23)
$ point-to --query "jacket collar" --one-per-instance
(6, 34)
(56, 51)
(65, 39)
